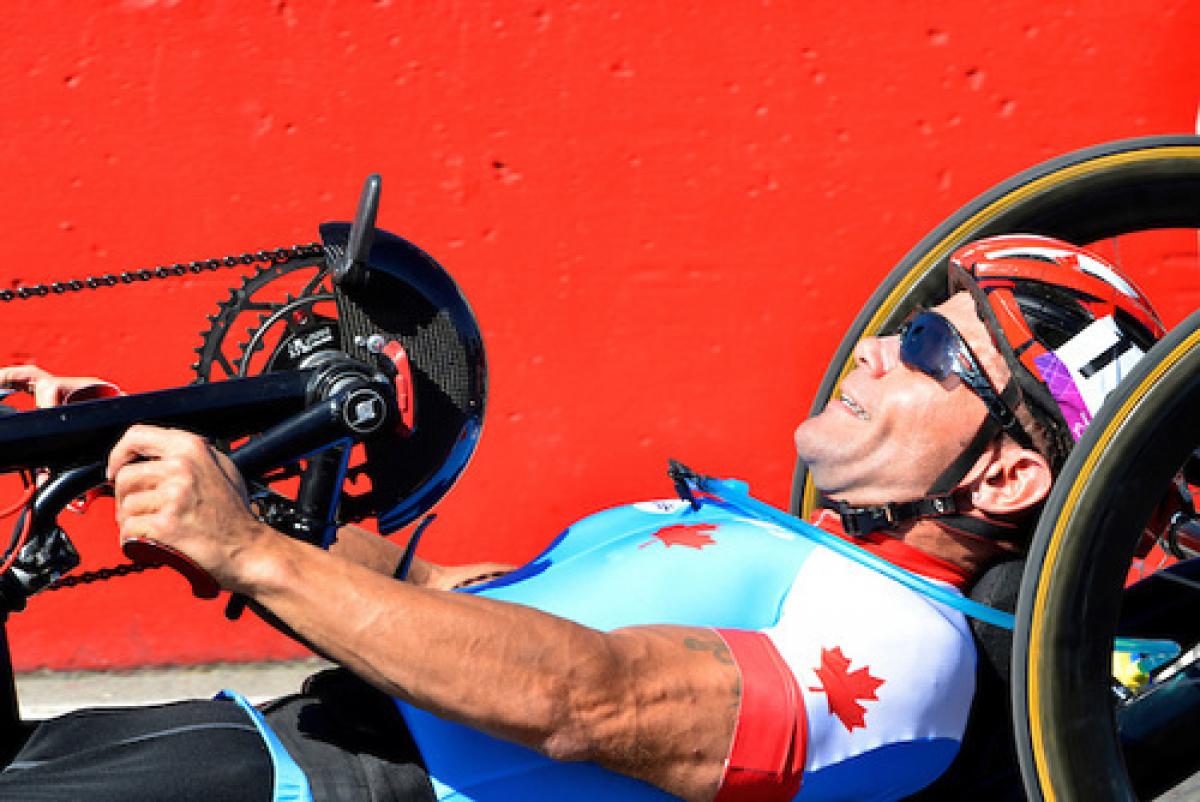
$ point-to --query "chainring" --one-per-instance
(284, 312)
(280, 314)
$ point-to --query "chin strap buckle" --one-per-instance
(859, 521)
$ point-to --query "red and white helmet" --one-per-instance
(1070, 324)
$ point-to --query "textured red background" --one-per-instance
(663, 214)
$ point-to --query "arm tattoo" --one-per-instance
(715, 645)
(721, 652)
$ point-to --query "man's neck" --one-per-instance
(968, 552)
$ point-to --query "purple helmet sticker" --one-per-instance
(1084, 370)
(1058, 379)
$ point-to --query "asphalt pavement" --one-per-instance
(44, 694)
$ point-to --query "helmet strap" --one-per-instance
(865, 520)
(986, 433)
(860, 521)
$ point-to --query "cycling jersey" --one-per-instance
(886, 675)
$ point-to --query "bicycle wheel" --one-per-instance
(1092, 194)
(1072, 590)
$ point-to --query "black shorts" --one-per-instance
(348, 739)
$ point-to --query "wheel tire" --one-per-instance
(1071, 590)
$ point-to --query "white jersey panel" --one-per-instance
(880, 668)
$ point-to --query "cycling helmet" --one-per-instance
(1070, 326)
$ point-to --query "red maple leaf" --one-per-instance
(690, 535)
(844, 688)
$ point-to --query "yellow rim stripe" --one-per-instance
(1037, 623)
(809, 496)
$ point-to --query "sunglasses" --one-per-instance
(930, 343)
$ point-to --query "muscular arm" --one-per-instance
(656, 703)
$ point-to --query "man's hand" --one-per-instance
(173, 488)
(49, 390)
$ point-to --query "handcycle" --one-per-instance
(336, 353)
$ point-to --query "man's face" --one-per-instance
(892, 430)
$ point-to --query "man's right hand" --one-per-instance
(49, 390)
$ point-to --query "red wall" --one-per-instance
(664, 214)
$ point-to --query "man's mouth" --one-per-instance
(854, 407)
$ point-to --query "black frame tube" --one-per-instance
(68, 436)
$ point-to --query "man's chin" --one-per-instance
(817, 440)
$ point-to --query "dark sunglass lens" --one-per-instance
(929, 345)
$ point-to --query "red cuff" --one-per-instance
(766, 760)
(92, 392)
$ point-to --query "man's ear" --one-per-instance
(1014, 480)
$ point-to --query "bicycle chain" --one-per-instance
(98, 575)
(278, 256)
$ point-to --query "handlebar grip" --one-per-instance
(146, 551)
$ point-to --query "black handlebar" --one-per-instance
(66, 437)
(326, 407)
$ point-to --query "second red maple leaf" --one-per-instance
(844, 689)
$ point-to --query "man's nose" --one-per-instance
(877, 355)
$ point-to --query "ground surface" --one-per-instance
(46, 694)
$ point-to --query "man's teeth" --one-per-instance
(854, 407)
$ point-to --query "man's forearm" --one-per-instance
(514, 672)
(396, 635)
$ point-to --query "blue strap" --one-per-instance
(290, 783)
(737, 495)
